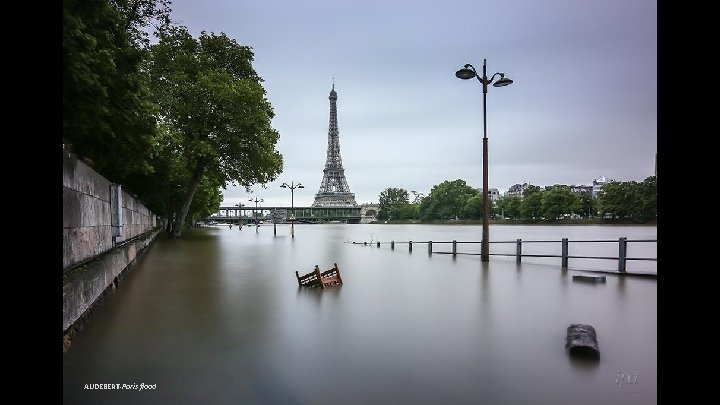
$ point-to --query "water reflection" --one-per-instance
(218, 317)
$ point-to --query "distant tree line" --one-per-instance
(175, 121)
(628, 201)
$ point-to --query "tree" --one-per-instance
(510, 206)
(646, 206)
(206, 201)
(446, 200)
(389, 199)
(557, 202)
(473, 208)
(106, 114)
(618, 199)
(531, 189)
(404, 211)
(584, 205)
(214, 106)
(531, 205)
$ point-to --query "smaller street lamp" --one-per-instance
(240, 205)
(257, 223)
(292, 186)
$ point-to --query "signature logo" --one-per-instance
(625, 378)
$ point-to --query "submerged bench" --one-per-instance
(323, 279)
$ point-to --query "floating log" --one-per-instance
(590, 279)
(581, 341)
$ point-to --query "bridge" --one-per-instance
(281, 214)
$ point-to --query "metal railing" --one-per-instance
(622, 257)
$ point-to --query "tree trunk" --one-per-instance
(179, 222)
(168, 225)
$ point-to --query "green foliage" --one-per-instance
(137, 16)
(616, 199)
(405, 211)
(647, 200)
(218, 118)
(531, 205)
(531, 189)
(106, 115)
(629, 200)
(473, 208)
(557, 202)
(510, 206)
(206, 201)
(389, 199)
(584, 206)
(455, 199)
(446, 200)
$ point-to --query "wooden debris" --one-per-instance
(323, 279)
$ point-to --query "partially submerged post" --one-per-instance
(622, 254)
(581, 341)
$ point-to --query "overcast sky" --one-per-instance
(583, 103)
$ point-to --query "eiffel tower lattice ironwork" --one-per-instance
(334, 189)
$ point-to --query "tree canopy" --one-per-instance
(106, 114)
(629, 200)
(173, 122)
(213, 106)
(447, 200)
(557, 202)
(392, 199)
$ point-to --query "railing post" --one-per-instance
(392, 245)
(454, 251)
(378, 244)
(409, 246)
(564, 253)
(430, 247)
(622, 254)
(518, 251)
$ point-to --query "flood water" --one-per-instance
(217, 317)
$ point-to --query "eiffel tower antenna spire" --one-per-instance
(334, 190)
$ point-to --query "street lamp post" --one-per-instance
(257, 224)
(274, 210)
(292, 186)
(240, 205)
(468, 72)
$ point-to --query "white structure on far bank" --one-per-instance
(493, 193)
(598, 184)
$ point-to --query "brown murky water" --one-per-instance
(218, 318)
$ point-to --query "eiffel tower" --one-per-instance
(334, 190)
